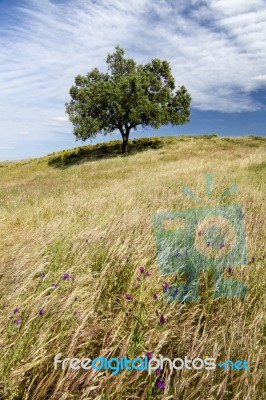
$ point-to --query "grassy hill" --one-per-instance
(76, 226)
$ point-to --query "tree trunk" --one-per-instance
(125, 141)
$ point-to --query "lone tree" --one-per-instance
(126, 96)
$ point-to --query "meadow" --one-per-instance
(79, 273)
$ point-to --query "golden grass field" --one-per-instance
(92, 219)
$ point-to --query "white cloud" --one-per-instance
(60, 119)
(217, 48)
(261, 78)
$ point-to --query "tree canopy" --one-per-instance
(126, 96)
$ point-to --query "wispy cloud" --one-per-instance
(216, 48)
(24, 133)
(261, 78)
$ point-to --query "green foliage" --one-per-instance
(126, 96)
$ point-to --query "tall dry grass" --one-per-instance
(93, 221)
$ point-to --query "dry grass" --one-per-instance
(92, 220)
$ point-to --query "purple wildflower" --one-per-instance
(17, 321)
(177, 254)
(16, 310)
(141, 270)
(158, 371)
(148, 273)
(166, 287)
(65, 276)
(43, 274)
(160, 384)
(148, 355)
(230, 270)
(175, 292)
(55, 284)
(128, 297)
(155, 296)
(162, 319)
(41, 311)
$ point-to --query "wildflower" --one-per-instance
(16, 310)
(177, 254)
(128, 297)
(92, 331)
(155, 296)
(55, 284)
(162, 319)
(158, 371)
(75, 298)
(160, 384)
(148, 355)
(141, 270)
(166, 287)
(41, 311)
(65, 276)
(43, 274)
(230, 270)
(175, 292)
(17, 321)
(148, 273)
(75, 312)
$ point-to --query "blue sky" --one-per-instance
(216, 48)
